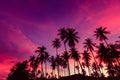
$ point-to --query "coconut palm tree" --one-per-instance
(94, 70)
(62, 33)
(46, 58)
(41, 57)
(58, 60)
(52, 64)
(87, 58)
(76, 57)
(56, 44)
(33, 65)
(101, 33)
(105, 56)
(65, 56)
(114, 52)
(71, 37)
(89, 45)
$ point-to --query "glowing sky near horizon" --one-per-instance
(26, 24)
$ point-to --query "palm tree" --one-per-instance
(88, 44)
(56, 44)
(62, 33)
(105, 56)
(101, 33)
(58, 63)
(41, 57)
(71, 37)
(46, 56)
(94, 69)
(76, 57)
(33, 65)
(87, 58)
(115, 53)
(53, 63)
(65, 56)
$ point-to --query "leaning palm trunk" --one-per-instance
(74, 67)
(106, 42)
(68, 68)
(96, 63)
(78, 67)
(42, 73)
(58, 70)
(81, 67)
(45, 69)
(118, 62)
(65, 46)
(89, 70)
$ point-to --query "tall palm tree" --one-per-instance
(89, 45)
(87, 58)
(65, 56)
(62, 33)
(105, 56)
(52, 64)
(114, 52)
(76, 57)
(46, 58)
(41, 57)
(94, 70)
(101, 33)
(58, 60)
(56, 44)
(33, 65)
(71, 37)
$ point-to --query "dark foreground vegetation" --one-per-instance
(93, 63)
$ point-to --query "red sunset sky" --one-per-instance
(26, 24)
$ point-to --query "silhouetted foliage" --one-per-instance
(97, 58)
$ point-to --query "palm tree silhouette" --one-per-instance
(62, 33)
(94, 69)
(53, 64)
(41, 57)
(65, 56)
(101, 33)
(105, 56)
(34, 64)
(76, 57)
(88, 44)
(46, 58)
(71, 37)
(87, 58)
(114, 52)
(56, 44)
(58, 60)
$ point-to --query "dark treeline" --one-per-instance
(95, 62)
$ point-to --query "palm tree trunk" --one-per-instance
(42, 70)
(65, 46)
(96, 63)
(74, 67)
(58, 70)
(78, 67)
(89, 70)
(81, 67)
(68, 68)
(106, 42)
(118, 61)
(45, 69)
(57, 51)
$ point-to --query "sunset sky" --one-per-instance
(26, 24)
